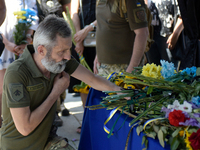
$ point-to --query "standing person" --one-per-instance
(163, 21)
(7, 29)
(46, 7)
(190, 22)
(120, 43)
(84, 21)
(2, 11)
(34, 82)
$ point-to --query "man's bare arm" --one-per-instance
(95, 81)
(138, 48)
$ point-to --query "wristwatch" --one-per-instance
(92, 24)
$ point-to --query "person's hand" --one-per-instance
(172, 40)
(20, 48)
(129, 69)
(61, 83)
(79, 48)
(80, 35)
(95, 65)
(11, 46)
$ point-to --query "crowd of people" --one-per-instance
(32, 86)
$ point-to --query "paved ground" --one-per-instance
(71, 122)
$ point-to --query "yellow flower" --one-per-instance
(19, 13)
(187, 140)
(152, 71)
(181, 133)
(21, 17)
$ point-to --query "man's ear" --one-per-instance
(42, 50)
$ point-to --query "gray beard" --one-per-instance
(52, 66)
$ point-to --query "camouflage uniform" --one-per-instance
(58, 143)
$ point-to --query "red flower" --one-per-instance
(175, 117)
(195, 140)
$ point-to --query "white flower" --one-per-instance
(175, 105)
(187, 107)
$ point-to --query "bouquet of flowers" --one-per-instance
(25, 18)
(164, 104)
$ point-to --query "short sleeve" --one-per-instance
(14, 90)
(71, 65)
(136, 12)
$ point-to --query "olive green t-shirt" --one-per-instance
(24, 85)
(115, 36)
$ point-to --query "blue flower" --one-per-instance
(29, 15)
(196, 100)
(29, 12)
(190, 71)
(167, 69)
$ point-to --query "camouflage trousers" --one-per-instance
(58, 143)
(105, 69)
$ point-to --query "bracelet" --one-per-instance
(92, 24)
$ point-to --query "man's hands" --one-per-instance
(172, 40)
(95, 65)
(129, 69)
(80, 35)
(78, 38)
(16, 49)
(19, 49)
(61, 83)
(79, 48)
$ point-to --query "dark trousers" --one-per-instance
(157, 50)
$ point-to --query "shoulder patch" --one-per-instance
(16, 91)
(140, 15)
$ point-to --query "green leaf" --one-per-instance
(161, 138)
(175, 133)
(151, 135)
(174, 144)
(156, 128)
(143, 139)
(146, 143)
(164, 129)
(139, 129)
(197, 110)
(144, 148)
(192, 130)
(150, 90)
(198, 71)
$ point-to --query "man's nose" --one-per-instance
(67, 55)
